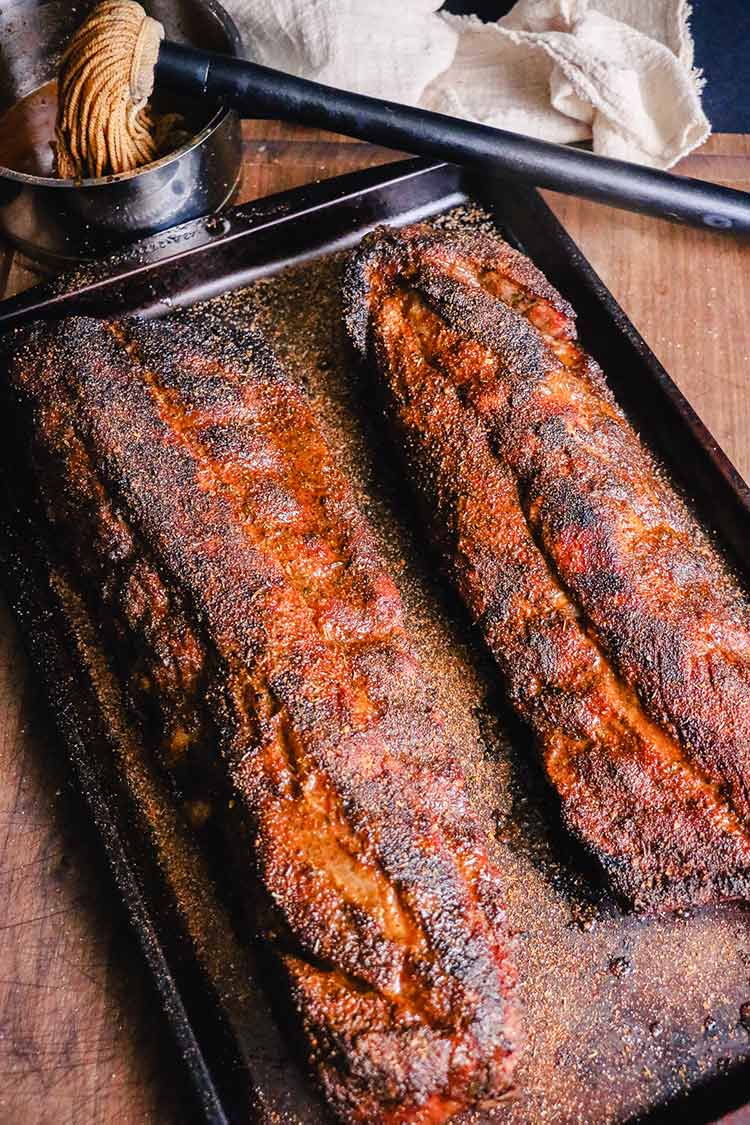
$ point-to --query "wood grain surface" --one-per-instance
(81, 1041)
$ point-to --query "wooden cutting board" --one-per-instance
(80, 1041)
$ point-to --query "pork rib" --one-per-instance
(623, 638)
(191, 499)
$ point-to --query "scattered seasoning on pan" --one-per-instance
(584, 915)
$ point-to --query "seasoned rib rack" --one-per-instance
(190, 500)
(623, 638)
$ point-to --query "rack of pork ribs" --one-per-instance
(622, 636)
(190, 503)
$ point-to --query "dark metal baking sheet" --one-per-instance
(236, 1060)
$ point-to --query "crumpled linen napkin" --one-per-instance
(619, 72)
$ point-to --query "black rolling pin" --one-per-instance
(258, 91)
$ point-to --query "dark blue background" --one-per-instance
(721, 29)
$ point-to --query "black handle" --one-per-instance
(258, 91)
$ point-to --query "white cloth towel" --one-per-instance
(619, 72)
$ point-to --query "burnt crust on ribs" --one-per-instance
(191, 499)
(623, 637)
